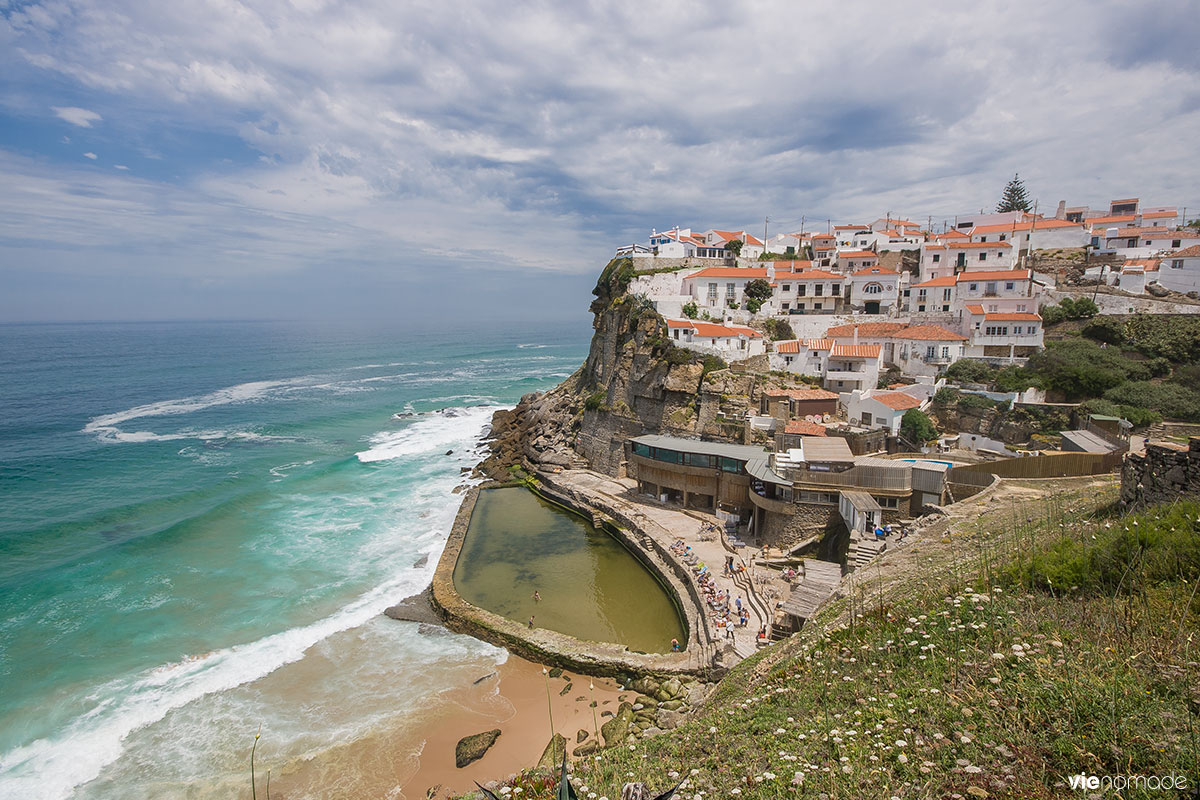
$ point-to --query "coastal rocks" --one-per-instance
(552, 756)
(616, 730)
(418, 608)
(472, 748)
(580, 735)
(586, 749)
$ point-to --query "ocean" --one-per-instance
(200, 525)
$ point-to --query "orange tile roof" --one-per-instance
(976, 245)
(808, 275)
(855, 351)
(1159, 214)
(679, 323)
(994, 275)
(864, 329)
(820, 344)
(1011, 226)
(822, 236)
(801, 394)
(874, 271)
(1156, 233)
(1103, 220)
(1187, 252)
(952, 234)
(858, 254)
(935, 247)
(791, 265)
(722, 331)
(804, 428)
(975, 308)
(1043, 224)
(852, 227)
(749, 273)
(944, 280)
(928, 333)
(787, 347)
(1148, 263)
(897, 401)
(1012, 317)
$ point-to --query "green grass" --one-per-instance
(971, 675)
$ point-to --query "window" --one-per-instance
(786, 306)
(946, 295)
(787, 359)
(1176, 242)
(801, 290)
(989, 287)
(921, 309)
(787, 287)
(888, 502)
(1003, 237)
(973, 286)
(930, 351)
(983, 238)
(818, 289)
(1009, 286)
(712, 292)
(730, 465)
(873, 288)
(697, 460)
(1177, 263)
(996, 330)
(880, 421)
(730, 290)
(946, 352)
(983, 256)
(816, 306)
(937, 257)
(1021, 308)
(921, 293)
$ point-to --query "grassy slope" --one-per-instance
(959, 667)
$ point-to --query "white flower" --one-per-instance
(901, 743)
(903, 759)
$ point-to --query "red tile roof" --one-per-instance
(855, 351)
(976, 245)
(997, 275)
(804, 428)
(1010, 226)
(808, 275)
(787, 347)
(928, 333)
(944, 280)
(1104, 220)
(1155, 233)
(975, 308)
(1187, 252)
(1044, 224)
(801, 394)
(897, 401)
(858, 254)
(724, 331)
(1012, 318)
(874, 271)
(749, 273)
(820, 344)
(873, 329)
(1160, 214)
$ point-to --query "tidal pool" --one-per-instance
(590, 586)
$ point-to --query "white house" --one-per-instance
(1146, 242)
(932, 296)
(807, 291)
(1003, 336)
(722, 287)
(877, 408)
(980, 255)
(1180, 271)
(801, 357)
(824, 248)
(730, 342)
(926, 350)
(752, 247)
(852, 367)
(1000, 291)
(853, 237)
(850, 261)
(874, 290)
(1136, 273)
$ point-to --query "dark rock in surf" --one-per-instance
(472, 748)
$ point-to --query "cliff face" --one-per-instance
(633, 382)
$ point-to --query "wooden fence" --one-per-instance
(1055, 465)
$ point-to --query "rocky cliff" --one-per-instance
(634, 381)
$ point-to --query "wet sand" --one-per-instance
(525, 728)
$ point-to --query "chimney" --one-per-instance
(855, 334)
(1061, 213)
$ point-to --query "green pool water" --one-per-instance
(591, 587)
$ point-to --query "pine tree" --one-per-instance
(1015, 198)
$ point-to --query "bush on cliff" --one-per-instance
(779, 330)
(916, 426)
(1170, 399)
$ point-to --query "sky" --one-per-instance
(315, 158)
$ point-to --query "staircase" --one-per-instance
(866, 550)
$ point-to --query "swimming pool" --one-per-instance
(947, 464)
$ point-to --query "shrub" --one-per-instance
(970, 370)
(1169, 399)
(712, 364)
(1052, 315)
(946, 396)
(1105, 329)
(1080, 368)
(779, 329)
(758, 289)
(690, 310)
(968, 401)
(916, 426)
(1014, 378)
(1138, 417)
(1176, 338)
(678, 355)
(1187, 375)
(594, 401)
(753, 304)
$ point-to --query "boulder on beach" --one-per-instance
(472, 748)
(616, 729)
(552, 756)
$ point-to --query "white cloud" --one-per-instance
(120, 166)
(92, 156)
(76, 116)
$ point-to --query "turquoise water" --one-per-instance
(589, 585)
(187, 508)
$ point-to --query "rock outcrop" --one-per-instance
(472, 748)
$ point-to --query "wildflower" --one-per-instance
(903, 759)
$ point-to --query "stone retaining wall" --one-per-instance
(550, 647)
(1164, 474)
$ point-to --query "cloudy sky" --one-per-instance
(296, 158)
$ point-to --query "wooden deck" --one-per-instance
(820, 581)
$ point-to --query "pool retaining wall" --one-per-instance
(559, 649)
